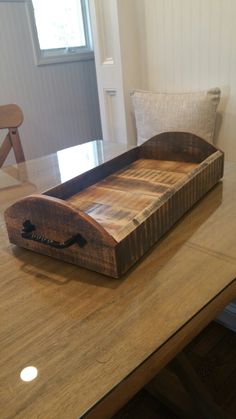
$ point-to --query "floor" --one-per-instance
(213, 356)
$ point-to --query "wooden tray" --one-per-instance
(108, 217)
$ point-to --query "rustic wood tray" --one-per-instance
(108, 217)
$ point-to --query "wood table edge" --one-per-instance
(116, 398)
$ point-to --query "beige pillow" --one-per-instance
(193, 112)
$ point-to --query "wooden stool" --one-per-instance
(11, 117)
(179, 387)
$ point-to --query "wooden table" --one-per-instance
(96, 341)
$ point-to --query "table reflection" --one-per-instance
(29, 373)
(41, 174)
(74, 161)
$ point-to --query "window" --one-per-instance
(60, 30)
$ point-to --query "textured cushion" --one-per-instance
(193, 112)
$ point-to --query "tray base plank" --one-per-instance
(116, 200)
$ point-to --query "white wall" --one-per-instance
(119, 64)
(60, 102)
(105, 28)
(132, 43)
(191, 45)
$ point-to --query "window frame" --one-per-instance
(60, 55)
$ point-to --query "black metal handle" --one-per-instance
(29, 228)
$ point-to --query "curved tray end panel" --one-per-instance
(177, 146)
(52, 227)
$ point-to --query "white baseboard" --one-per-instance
(228, 317)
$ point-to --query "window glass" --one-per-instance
(59, 24)
(60, 30)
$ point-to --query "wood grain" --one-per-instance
(119, 198)
(148, 370)
(112, 195)
(213, 355)
(97, 341)
(177, 146)
(44, 211)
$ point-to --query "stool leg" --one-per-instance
(179, 387)
(167, 388)
(195, 388)
(5, 149)
(16, 145)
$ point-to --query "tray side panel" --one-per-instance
(78, 183)
(134, 245)
(177, 146)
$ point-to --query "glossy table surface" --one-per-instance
(85, 333)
